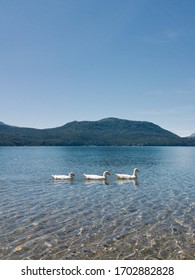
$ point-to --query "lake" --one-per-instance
(151, 218)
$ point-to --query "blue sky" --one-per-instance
(65, 60)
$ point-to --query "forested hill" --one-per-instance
(109, 131)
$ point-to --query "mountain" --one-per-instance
(19, 136)
(109, 131)
(1, 123)
(192, 135)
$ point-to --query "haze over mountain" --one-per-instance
(1, 123)
(109, 131)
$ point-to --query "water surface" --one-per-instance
(152, 218)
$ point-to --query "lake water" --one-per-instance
(152, 218)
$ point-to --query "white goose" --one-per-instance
(97, 177)
(64, 177)
(127, 176)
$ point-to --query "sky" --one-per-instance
(66, 60)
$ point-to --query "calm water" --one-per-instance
(153, 218)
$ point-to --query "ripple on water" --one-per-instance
(152, 219)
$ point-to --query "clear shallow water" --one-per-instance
(153, 218)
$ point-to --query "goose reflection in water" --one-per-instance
(131, 182)
(96, 182)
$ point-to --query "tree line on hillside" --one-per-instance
(110, 131)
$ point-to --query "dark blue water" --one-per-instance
(152, 218)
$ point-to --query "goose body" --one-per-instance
(97, 177)
(64, 177)
(127, 176)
